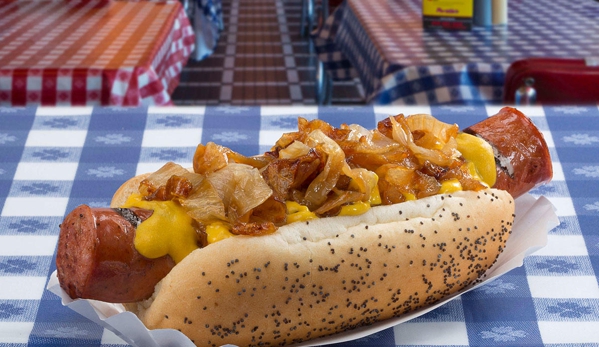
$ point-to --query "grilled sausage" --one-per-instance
(521, 155)
(96, 257)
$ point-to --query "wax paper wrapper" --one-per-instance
(534, 219)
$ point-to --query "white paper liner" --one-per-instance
(534, 219)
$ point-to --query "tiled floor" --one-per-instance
(261, 59)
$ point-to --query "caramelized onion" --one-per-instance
(205, 204)
(295, 150)
(319, 166)
(240, 187)
(319, 188)
(286, 175)
(438, 131)
(171, 181)
(213, 157)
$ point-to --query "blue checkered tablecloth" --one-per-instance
(53, 159)
(382, 42)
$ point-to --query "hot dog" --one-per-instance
(332, 270)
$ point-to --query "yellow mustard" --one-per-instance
(409, 196)
(360, 207)
(217, 231)
(473, 171)
(450, 186)
(298, 213)
(354, 209)
(375, 196)
(169, 230)
(478, 152)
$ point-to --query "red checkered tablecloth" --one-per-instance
(91, 52)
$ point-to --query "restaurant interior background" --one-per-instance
(265, 55)
(261, 58)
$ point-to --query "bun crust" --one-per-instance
(317, 278)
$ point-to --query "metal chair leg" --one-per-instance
(307, 20)
(319, 86)
(324, 85)
(310, 16)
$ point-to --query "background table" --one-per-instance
(54, 159)
(382, 42)
(92, 52)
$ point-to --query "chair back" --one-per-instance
(552, 81)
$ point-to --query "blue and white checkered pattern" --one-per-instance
(54, 159)
(383, 43)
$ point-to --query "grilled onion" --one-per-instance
(319, 166)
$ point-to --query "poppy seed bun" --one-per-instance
(316, 278)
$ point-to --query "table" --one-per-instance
(92, 52)
(57, 158)
(382, 42)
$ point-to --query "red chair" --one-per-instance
(552, 81)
